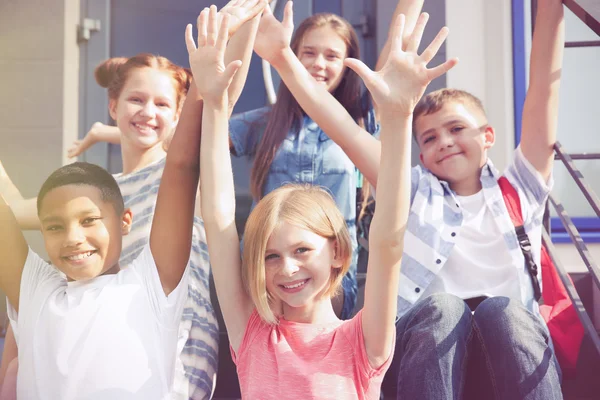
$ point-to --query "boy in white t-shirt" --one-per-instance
(85, 328)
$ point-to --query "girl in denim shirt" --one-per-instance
(288, 147)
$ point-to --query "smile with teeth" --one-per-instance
(144, 127)
(80, 256)
(296, 285)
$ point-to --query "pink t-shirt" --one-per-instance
(306, 361)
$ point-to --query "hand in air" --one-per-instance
(81, 145)
(400, 84)
(211, 76)
(241, 11)
(273, 36)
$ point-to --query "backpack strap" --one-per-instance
(513, 205)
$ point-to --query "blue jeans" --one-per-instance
(350, 287)
(444, 351)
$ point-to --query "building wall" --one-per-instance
(39, 79)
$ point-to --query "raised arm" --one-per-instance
(273, 44)
(217, 196)
(241, 44)
(540, 112)
(99, 132)
(13, 250)
(7, 188)
(24, 210)
(411, 10)
(397, 88)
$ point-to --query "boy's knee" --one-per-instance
(504, 318)
(443, 310)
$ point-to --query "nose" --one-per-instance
(290, 267)
(75, 236)
(319, 62)
(446, 140)
(148, 110)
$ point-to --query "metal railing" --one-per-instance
(571, 229)
(589, 12)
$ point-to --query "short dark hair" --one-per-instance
(82, 173)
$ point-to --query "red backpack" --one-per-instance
(557, 309)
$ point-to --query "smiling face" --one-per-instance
(322, 52)
(82, 232)
(298, 265)
(146, 110)
(454, 142)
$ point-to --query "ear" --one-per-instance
(421, 157)
(127, 219)
(112, 109)
(489, 137)
(338, 261)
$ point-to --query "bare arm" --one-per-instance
(240, 47)
(411, 10)
(218, 197)
(13, 249)
(97, 133)
(7, 188)
(540, 112)
(397, 88)
(24, 210)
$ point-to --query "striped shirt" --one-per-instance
(198, 342)
(435, 218)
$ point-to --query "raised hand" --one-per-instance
(241, 11)
(273, 36)
(400, 84)
(211, 76)
(81, 145)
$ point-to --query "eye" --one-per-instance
(270, 257)
(302, 250)
(456, 129)
(428, 139)
(135, 99)
(333, 57)
(53, 228)
(89, 220)
(308, 53)
(163, 104)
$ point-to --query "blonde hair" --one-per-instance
(305, 206)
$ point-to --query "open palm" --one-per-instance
(211, 76)
(400, 84)
(274, 36)
(241, 11)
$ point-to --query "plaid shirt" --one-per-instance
(435, 219)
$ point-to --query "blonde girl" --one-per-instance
(286, 339)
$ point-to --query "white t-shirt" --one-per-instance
(480, 263)
(113, 337)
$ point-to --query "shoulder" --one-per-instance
(527, 180)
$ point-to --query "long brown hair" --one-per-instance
(114, 72)
(286, 114)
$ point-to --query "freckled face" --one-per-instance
(146, 110)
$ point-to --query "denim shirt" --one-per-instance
(435, 220)
(306, 156)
